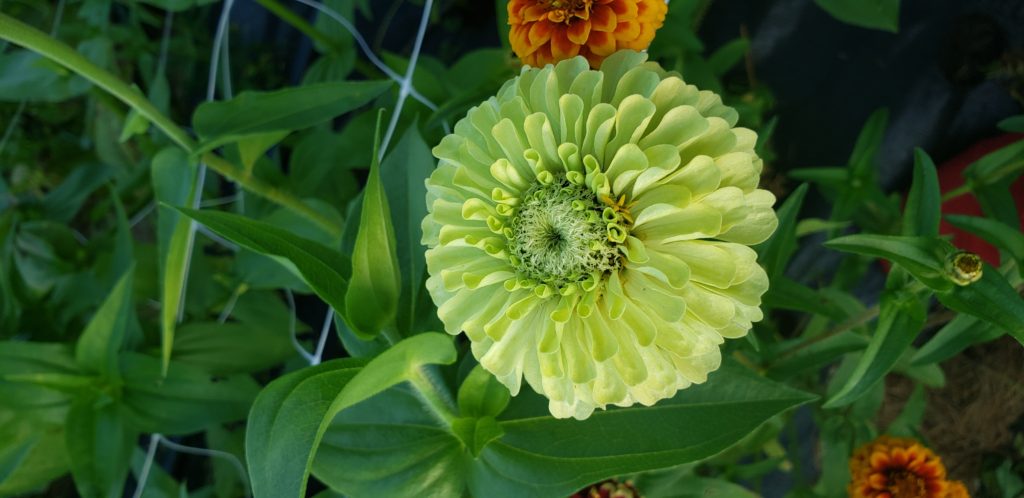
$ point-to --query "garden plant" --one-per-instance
(524, 248)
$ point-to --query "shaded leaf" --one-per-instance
(922, 212)
(99, 444)
(875, 14)
(97, 348)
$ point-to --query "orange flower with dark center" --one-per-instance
(891, 467)
(548, 31)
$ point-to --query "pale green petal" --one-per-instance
(656, 192)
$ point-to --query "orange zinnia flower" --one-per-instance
(890, 467)
(548, 31)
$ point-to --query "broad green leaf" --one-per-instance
(281, 448)
(28, 360)
(992, 299)
(99, 444)
(957, 335)
(388, 446)
(775, 252)
(27, 76)
(994, 232)
(185, 400)
(227, 348)
(874, 14)
(371, 302)
(283, 424)
(256, 113)
(174, 182)
(923, 257)
(324, 269)
(901, 317)
(481, 395)
(922, 212)
(403, 174)
(97, 348)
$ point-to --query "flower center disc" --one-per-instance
(566, 10)
(558, 235)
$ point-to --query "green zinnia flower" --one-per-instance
(588, 230)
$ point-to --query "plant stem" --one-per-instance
(31, 38)
(434, 395)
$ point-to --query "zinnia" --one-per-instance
(891, 467)
(548, 31)
(589, 229)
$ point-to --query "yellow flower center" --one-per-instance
(567, 10)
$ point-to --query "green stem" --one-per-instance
(433, 394)
(31, 38)
(957, 192)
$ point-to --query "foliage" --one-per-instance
(156, 280)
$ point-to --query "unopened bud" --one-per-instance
(963, 267)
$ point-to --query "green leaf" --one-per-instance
(923, 257)
(63, 202)
(99, 444)
(957, 335)
(481, 395)
(185, 400)
(33, 453)
(373, 293)
(991, 299)
(475, 433)
(994, 232)
(252, 147)
(997, 166)
(174, 182)
(728, 55)
(794, 357)
(256, 113)
(324, 269)
(921, 215)
(283, 424)
(388, 446)
(228, 348)
(97, 348)
(404, 173)
(874, 14)
(907, 422)
(901, 317)
(775, 252)
(1013, 124)
(134, 124)
(290, 417)
(787, 294)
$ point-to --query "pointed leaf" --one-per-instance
(994, 232)
(921, 215)
(901, 317)
(174, 182)
(324, 269)
(254, 113)
(874, 14)
(290, 417)
(482, 395)
(97, 348)
(959, 334)
(99, 444)
(923, 257)
(992, 299)
(775, 252)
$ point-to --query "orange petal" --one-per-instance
(578, 32)
(601, 43)
(540, 33)
(603, 18)
(625, 9)
(627, 31)
(879, 460)
(561, 46)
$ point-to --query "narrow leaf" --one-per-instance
(874, 14)
(252, 113)
(901, 317)
(923, 257)
(957, 335)
(174, 181)
(992, 299)
(99, 444)
(324, 269)
(921, 215)
(994, 232)
(97, 348)
(775, 252)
